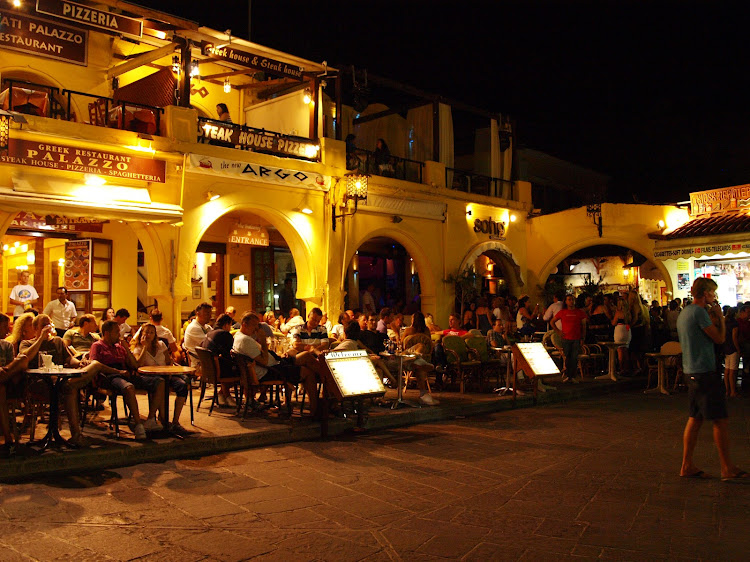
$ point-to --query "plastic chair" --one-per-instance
(211, 373)
(462, 362)
(478, 344)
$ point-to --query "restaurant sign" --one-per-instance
(54, 223)
(98, 19)
(71, 159)
(495, 229)
(251, 60)
(256, 172)
(251, 234)
(720, 200)
(696, 251)
(258, 140)
(44, 38)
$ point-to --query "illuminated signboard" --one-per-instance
(354, 374)
(538, 360)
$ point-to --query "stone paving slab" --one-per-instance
(451, 490)
(223, 431)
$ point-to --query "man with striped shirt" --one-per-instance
(309, 340)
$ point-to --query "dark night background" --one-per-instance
(653, 94)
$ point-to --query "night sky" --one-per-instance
(651, 93)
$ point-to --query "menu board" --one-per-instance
(78, 265)
(536, 357)
(354, 374)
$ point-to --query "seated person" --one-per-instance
(149, 351)
(196, 331)
(293, 321)
(121, 317)
(310, 340)
(430, 323)
(454, 327)
(83, 337)
(251, 342)
(395, 327)
(123, 378)
(11, 379)
(219, 341)
(370, 337)
(43, 340)
(337, 330)
(496, 337)
(155, 318)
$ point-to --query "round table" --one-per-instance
(166, 372)
(612, 348)
(60, 376)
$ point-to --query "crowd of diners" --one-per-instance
(109, 351)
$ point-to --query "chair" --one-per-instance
(475, 332)
(462, 362)
(249, 382)
(211, 373)
(673, 349)
(478, 344)
(97, 115)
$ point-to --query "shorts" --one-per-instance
(119, 384)
(732, 361)
(286, 370)
(178, 386)
(707, 396)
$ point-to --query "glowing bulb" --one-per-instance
(661, 224)
(513, 218)
(195, 69)
(5, 248)
(17, 244)
(227, 86)
(307, 97)
(307, 210)
(94, 180)
(16, 3)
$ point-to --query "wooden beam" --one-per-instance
(151, 14)
(373, 116)
(141, 60)
(227, 74)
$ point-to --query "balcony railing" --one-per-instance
(115, 114)
(469, 182)
(401, 168)
(242, 137)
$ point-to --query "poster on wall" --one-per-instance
(78, 265)
(683, 281)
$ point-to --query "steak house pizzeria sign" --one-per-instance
(72, 159)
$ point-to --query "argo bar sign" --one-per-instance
(495, 229)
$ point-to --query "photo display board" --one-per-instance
(78, 265)
(354, 374)
(537, 358)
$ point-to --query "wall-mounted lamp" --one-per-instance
(176, 65)
(396, 219)
(513, 218)
(195, 69)
(227, 86)
(16, 3)
(594, 210)
(307, 96)
(211, 196)
(356, 190)
(468, 212)
(661, 225)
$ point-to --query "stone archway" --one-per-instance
(563, 253)
(427, 276)
(502, 256)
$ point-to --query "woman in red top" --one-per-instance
(573, 321)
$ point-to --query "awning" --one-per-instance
(714, 249)
(156, 90)
(717, 236)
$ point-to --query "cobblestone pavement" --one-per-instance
(593, 479)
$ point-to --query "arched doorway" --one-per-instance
(497, 268)
(384, 267)
(609, 268)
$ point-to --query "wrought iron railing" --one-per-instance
(115, 114)
(469, 182)
(364, 161)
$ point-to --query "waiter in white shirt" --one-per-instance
(62, 312)
(22, 294)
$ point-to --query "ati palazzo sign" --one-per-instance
(43, 38)
(72, 159)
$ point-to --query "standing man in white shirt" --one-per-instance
(558, 300)
(196, 331)
(22, 294)
(62, 312)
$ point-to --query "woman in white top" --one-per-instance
(149, 350)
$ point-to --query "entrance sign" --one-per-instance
(78, 265)
(536, 357)
(56, 156)
(91, 17)
(354, 374)
(43, 38)
(257, 172)
(251, 60)
(251, 234)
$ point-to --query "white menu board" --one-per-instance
(538, 359)
(354, 373)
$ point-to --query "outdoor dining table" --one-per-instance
(402, 358)
(612, 371)
(55, 379)
(661, 385)
(167, 372)
(508, 388)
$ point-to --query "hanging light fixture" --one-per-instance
(195, 69)
(176, 65)
(356, 190)
(227, 86)
(307, 96)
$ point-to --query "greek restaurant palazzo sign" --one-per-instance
(91, 17)
(72, 159)
(251, 60)
(257, 172)
(41, 37)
